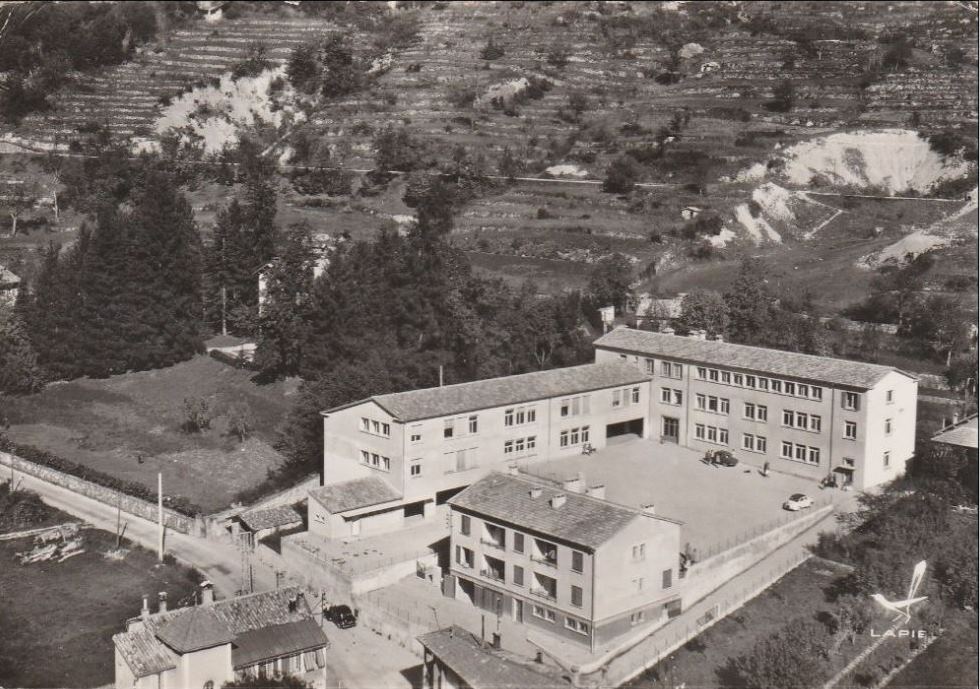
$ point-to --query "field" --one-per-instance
(130, 426)
(58, 618)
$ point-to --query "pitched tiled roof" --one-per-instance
(428, 403)
(155, 646)
(358, 492)
(276, 641)
(485, 668)
(283, 515)
(962, 434)
(843, 372)
(143, 652)
(582, 520)
(194, 630)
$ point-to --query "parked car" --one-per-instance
(724, 458)
(340, 615)
(797, 502)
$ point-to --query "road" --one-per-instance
(357, 658)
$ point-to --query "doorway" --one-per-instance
(518, 610)
(671, 429)
(631, 427)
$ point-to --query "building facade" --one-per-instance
(396, 458)
(812, 416)
(562, 559)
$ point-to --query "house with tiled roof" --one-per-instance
(395, 459)
(563, 558)
(266, 634)
(453, 658)
(961, 434)
(849, 422)
(9, 286)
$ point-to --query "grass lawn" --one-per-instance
(702, 661)
(108, 423)
(951, 661)
(58, 618)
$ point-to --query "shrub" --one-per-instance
(254, 63)
(621, 175)
(197, 415)
(461, 94)
(491, 51)
(557, 56)
(783, 97)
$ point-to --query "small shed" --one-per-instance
(272, 520)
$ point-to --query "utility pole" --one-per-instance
(160, 514)
(224, 306)
(440, 375)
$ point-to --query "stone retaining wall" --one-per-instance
(108, 496)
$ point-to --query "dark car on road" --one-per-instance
(340, 615)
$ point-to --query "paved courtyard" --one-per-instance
(716, 504)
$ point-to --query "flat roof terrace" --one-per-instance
(717, 505)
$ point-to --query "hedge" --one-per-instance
(137, 490)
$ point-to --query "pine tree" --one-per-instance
(748, 302)
(19, 371)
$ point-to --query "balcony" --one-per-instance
(492, 574)
(551, 562)
(544, 593)
(491, 543)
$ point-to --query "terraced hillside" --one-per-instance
(127, 99)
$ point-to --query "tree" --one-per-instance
(19, 370)
(621, 175)
(939, 324)
(342, 74)
(611, 282)
(703, 309)
(197, 414)
(240, 421)
(783, 97)
(787, 658)
(18, 197)
(396, 149)
(748, 302)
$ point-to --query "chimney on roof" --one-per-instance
(536, 492)
(650, 509)
(145, 612)
(512, 470)
(207, 592)
(574, 484)
(163, 601)
(597, 491)
(558, 500)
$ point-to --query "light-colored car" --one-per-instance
(797, 502)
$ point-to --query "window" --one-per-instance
(677, 371)
(667, 578)
(532, 441)
(636, 395)
(756, 412)
(447, 431)
(365, 424)
(544, 586)
(888, 426)
(563, 439)
(464, 557)
(750, 381)
(461, 460)
(726, 377)
(543, 613)
(850, 430)
(615, 398)
(702, 372)
(713, 374)
(737, 379)
(576, 626)
(776, 385)
(665, 396)
(566, 407)
(700, 401)
(638, 584)
(813, 455)
(787, 418)
(699, 431)
(636, 618)
(678, 397)
(415, 468)
(508, 447)
(545, 552)
(650, 366)
(889, 396)
(887, 459)
(786, 450)
(577, 596)
(723, 405)
(665, 368)
(790, 388)
(365, 456)
(573, 436)
(518, 575)
(763, 383)
(850, 401)
(416, 437)
(578, 561)
(748, 441)
(464, 525)
(802, 390)
(712, 434)
(508, 417)
(712, 403)
(801, 420)
(815, 423)
(532, 415)
(639, 552)
(760, 443)
(518, 542)
(473, 424)
(816, 393)
(723, 436)
(800, 452)
(375, 427)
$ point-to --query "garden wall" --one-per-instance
(108, 496)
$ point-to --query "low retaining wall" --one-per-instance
(108, 496)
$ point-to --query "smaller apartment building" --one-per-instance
(562, 559)
(394, 458)
(813, 416)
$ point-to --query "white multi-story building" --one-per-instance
(814, 416)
